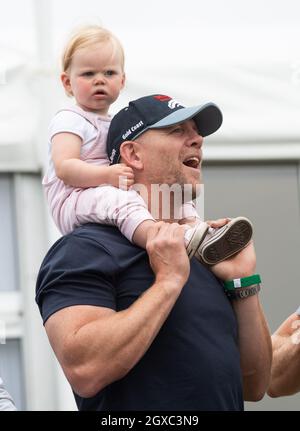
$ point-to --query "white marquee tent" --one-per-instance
(244, 56)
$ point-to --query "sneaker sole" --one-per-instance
(228, 243)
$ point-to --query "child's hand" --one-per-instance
(121, 176)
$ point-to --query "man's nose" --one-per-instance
(195, 140)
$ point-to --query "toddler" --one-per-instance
(81, 186)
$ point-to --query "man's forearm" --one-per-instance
(255, 347)
(107, 349)
(285, 377)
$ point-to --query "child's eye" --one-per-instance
(88, 73)
(109, 73)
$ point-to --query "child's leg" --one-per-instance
(189, 214)
(141, 232)
(190, 217)
(113, 206)
(192, 221)
(128, 211)
(124, 209)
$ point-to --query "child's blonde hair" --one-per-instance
(88, 36)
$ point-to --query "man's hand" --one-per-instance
(240, 265)
(218, 223)
(167, 253)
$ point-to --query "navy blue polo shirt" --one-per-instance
(192, 364)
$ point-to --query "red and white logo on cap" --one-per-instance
(162, 97)
(172, 103)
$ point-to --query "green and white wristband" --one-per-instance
(242, 288)
(238, 283)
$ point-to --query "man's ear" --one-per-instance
(66, 82)
(130, 155)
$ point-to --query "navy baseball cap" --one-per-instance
(156, 112)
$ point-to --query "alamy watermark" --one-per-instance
(165, 202)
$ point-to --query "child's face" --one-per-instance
(95, 77)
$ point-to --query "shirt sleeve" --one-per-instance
(68, 121)
(76, 271)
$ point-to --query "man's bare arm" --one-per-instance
(255, 347)
(254, 336)
(95, 345)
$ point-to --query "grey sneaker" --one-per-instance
(194, 238)
(219, 244)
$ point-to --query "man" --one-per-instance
(285, 376)
(152, 331)
(6, 401)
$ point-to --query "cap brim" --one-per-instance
(208, 118)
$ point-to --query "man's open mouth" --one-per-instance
(192, 162)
